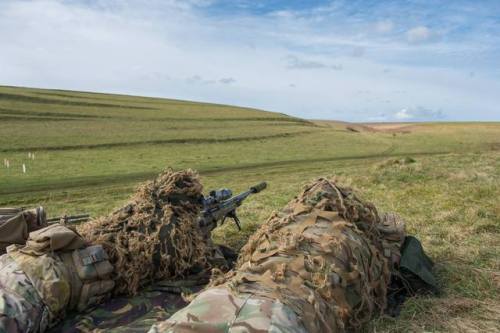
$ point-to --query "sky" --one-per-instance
(351, 60)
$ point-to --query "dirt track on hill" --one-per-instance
(141, 176)
(155, 142)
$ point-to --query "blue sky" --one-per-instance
(348, 60)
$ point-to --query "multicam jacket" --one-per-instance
(21, 308)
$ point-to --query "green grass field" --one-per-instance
(91, 150)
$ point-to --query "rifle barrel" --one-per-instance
(73, 218)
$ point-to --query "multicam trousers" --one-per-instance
(217, 310)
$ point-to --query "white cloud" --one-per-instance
(227, 80)
(419, 34)
(358, 51)
(294, 62)
(403, 115)
(384, 27)
(419, 114)
(174, 49)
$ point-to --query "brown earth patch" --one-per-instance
(391, 127)
(495, 146)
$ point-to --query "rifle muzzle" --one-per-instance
(259, 187)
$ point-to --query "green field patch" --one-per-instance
(16, 118)
(111, 133)
(278, 121)
(13, 112)
(39, 100)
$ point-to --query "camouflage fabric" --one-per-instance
(154, 237)
(217, 310)
(323, 263)
(127, 314)
(392, 233)
(320, 265)
(21, 308)
(50, 279)
(53, 274)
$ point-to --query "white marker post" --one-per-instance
(8, 164)
(24, 168)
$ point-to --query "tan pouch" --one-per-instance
(94, 269)
(17, 223)
(392, 229)
(94, 292)
(92, 263)
(55, 237)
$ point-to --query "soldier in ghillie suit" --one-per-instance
(156, 236)
(323, 264)
(57, 268)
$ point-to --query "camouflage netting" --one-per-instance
(327, 255)
(155, 236)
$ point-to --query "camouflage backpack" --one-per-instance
(53, 273)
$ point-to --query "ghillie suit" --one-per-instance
(156, 235)
(320, 265)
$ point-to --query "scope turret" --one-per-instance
(217, 196)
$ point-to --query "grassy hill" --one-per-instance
(91, 150)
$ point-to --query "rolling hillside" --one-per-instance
(91, 150)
